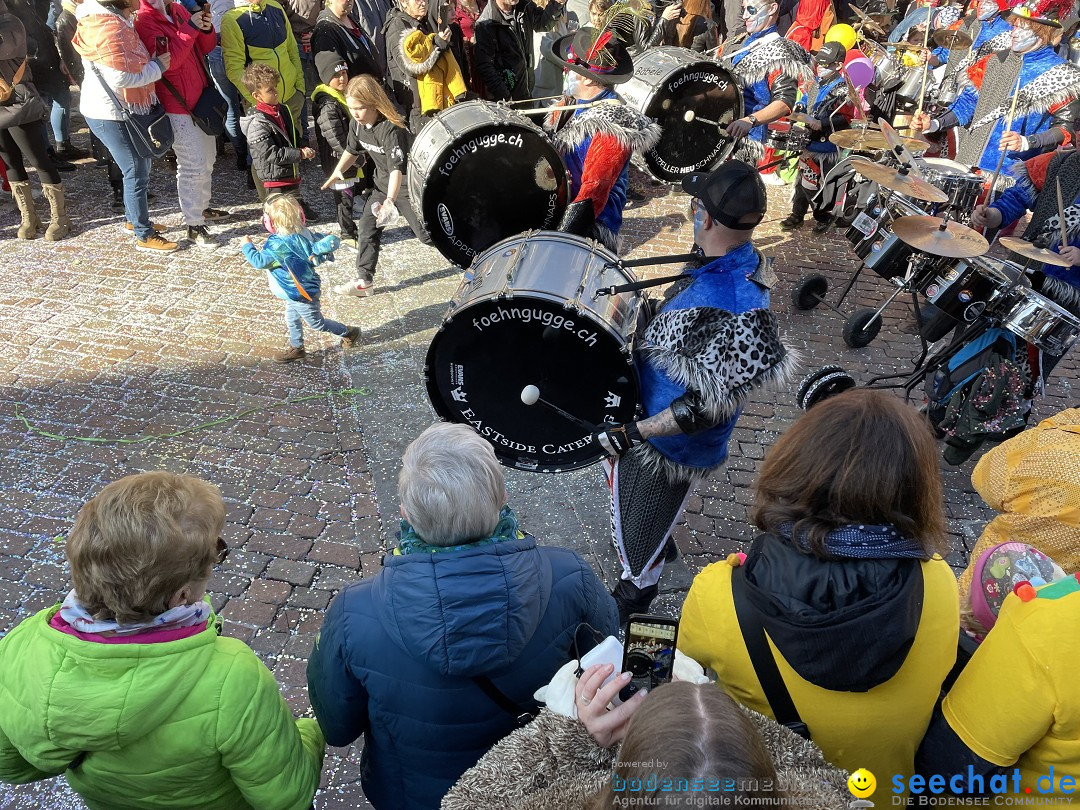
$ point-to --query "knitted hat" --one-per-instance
(1045, 12)
(1002, 568)
(329, 65)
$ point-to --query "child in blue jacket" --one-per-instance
(289, 258)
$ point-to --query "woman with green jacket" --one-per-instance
(129, 689)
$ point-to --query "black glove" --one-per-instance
(1038, 279)
(579, 219)
(617, 439)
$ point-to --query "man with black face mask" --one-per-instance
(824, 102)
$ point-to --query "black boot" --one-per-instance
(791, 222)
(631, 599)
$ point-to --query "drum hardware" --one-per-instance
(939, 236)
(530, 395)
(899, 148)
(899, 180)
(697, 256)
(865, 21)
(1032, 253)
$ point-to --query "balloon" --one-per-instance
(842, 33)
(861, 71)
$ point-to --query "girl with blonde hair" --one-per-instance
(378, 133)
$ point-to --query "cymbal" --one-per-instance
(870, 141)
(904, 46)
(868, 22)
(1029, 251)
(940, 237)
(949, 38)
(802, 118)
(899, 148)
(904, 183)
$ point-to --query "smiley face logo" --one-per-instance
(862, 784)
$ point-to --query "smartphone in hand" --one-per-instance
(161, 45)
(648, 652)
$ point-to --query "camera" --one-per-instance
(649, 652)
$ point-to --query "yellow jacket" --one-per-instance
(878, 729)
(1033, 479)
(442, 83)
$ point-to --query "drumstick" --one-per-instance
(690, 115)
(1008, 128)
(530, 395)
(1061, 214)
(926, 57)
(531, 100)
(561, 107)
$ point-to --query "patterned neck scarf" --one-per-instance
(506, 529)
(73, 612)
(863, 541)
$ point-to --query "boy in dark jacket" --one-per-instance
(332, 120)
(273, 139)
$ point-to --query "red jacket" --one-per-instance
(187, 44)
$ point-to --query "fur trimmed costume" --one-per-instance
(596, 142)
(715, 339)
(553, 764)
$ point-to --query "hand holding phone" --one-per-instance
(649, 652)
(161, 45)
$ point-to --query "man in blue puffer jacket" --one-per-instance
(433, 658)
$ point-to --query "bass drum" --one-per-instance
(525, 314)
(480, 172)
(667, 84)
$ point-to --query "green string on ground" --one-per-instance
(153, 437)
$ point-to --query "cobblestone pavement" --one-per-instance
(109, 344)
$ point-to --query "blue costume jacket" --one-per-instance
(612, 214)
(722, 284)
(289, 262)
(756, 96)
(825, 146)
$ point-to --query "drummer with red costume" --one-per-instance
(1045, 108)
(768, 68)
(597, 138)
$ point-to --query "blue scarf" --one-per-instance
(863, 541)
(506, 529)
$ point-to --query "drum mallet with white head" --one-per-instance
(530, 395)
(690, 115)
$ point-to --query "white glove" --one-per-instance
(385, 213)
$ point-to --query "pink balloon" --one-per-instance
(860, 71)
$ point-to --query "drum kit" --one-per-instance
(915, 233)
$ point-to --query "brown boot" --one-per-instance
(351, 338)
(290, 354)
(59, 224)
(31, 224)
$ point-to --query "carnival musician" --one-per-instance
(824, 101)
(1045, 88)
(1035, 190)
(989, 31)
(598, 138)
(712, 341)
(768, 69)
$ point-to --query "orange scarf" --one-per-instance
(112, 41)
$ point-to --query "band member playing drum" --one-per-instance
(712, 341)
(768, 68)
(1042, 116)
(824, 103)
(377, 130)
(598, 137)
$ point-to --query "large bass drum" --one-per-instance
(525, 314)
(668, 83)
(480, 172)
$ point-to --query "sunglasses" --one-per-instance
(222, 551)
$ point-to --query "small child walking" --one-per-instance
(289, 258)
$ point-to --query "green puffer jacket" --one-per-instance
(193, 723)
(259, 31)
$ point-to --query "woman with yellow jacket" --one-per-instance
(842, 608)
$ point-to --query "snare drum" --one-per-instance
(668, 83)
(480, 172)
(787, 136)
(956, 180)
(1041, 322)
(872, 237)
(526, 314)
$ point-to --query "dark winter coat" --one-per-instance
(402, 71)
(275, 153)
(24, 105)
(65, 32)
(397, 655)
(505, 58)
(42, 54)
(332, 121)
(356, 48)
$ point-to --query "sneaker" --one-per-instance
(361, 288)
(350, 338)
(199, 235)
(821, 226)
(310, 214)
(68, 151)
(156, 244)
(290, 354)
(157, 228)
(215, 214)
(791, 222)
(349, 242)
(772, 179)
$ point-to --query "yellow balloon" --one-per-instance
(842, 33)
